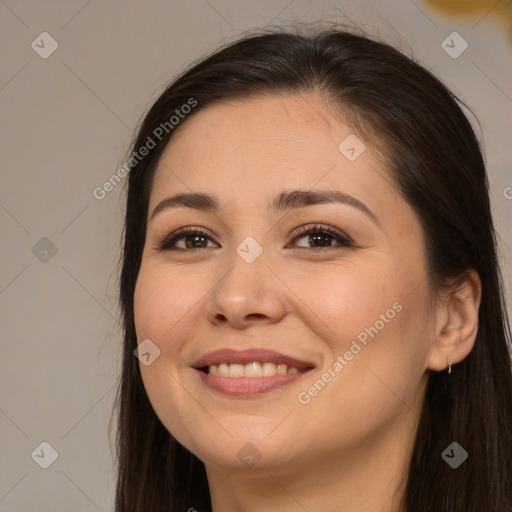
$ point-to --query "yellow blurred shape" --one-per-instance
(500, 11)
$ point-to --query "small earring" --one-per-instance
(449, 367)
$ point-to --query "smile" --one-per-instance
(250, 372)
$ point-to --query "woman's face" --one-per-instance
(357, 313)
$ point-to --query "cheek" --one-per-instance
(376, 370)
(162, 300)
(163, 313)
(375, 318)
(342, 302)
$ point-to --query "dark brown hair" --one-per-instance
(435, 159)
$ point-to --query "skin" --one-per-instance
(350, 444)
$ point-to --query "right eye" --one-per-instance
(193, 238)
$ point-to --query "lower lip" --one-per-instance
(247, 386)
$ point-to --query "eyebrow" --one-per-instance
(288, 200)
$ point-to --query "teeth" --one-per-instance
(236, 370)
(281, 369)
(223, 370)
(269, 369)
(254, 369)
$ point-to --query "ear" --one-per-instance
(456, 323)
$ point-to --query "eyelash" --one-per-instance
(345, 241)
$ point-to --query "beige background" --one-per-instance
(66, 125)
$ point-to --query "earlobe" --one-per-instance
(456, 324)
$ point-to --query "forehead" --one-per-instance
(290, 141)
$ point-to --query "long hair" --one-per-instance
(436, 161)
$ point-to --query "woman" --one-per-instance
(311, 288)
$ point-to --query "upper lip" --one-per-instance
(262, 355)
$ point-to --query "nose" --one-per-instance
(247, 294)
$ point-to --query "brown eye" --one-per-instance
(193, 239)
(322, 237)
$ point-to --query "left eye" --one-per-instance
(321, 236)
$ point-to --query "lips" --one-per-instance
(249, 373)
